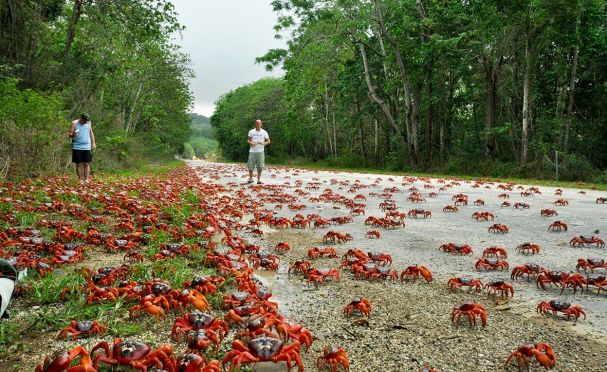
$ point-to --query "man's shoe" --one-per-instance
(250, 181)
(259, 183)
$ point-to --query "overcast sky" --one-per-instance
(223, 37)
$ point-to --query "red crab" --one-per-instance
(453, 248)
(521, 206)
(358, 303)
(62, 360)
(548, 213)
(450, 208)
(316, 252)
(465, 281)
(542, 352)
(491, 264)
(264, 260)
(560, 306)
(415, 271)
(300, 266)
(198, 320)
(470, 310)
(558, 226)
(282, 247)
(580, 241)
(413, 213)
(483, 216)
(496, 252)
(82, 328)
(591, 263)
(505, 289)
(332, 358)
(528, 248)
(561, 202)
(373, 234)
(263, 349)
(531, 270)
(191, 362)
(498, 228)
(320, 275)
(380, 258)
(134, 354)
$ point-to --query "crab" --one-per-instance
(332, 357)
(282, 247)
(498, 228)
(191, 362)
(62, 360)
(464, 249)
(528, 248)
(300, 266)
(551, 277)
(198, 320)
(531, 270)
(263, 349)
(561, 202)
(450, 208)
(201, 340)
(542, 353)
(134, 354)
(497, 252)
(470, 310)
(320, 275)
(560, 306)
(558, 226)
(483, 216)
(358, 303)
(591, 263)
(505, 205)
(415, 271)
(601, 200)
(380, 258)
(491, 264)
(505, 289)
(414, 213)
(82, 328)
(479, 202)
(465, 281)
(580, 241)
(264, 261)
(315, 252)
(373, 234)
(548, 213)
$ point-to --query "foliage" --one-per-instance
(188, 151)
(236, 112)
(444, 83)
(115, 60)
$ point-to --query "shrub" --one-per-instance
(188, 151)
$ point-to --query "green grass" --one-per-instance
(145, 170)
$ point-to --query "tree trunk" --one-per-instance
(71, 29)
(410, 121)
(375, 142)
(326, 120)
(429, 152)
(334, 134)
(385, 109)
(490, 118)
(571, 98)
(526, 99)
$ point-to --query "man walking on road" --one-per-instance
(257, 140)
(83, 142)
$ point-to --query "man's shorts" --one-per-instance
(256, 159)
(82, 156)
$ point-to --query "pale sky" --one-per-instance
(223, 37)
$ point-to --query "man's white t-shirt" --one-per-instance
(258, 137)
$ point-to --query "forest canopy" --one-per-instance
(115, 60)
(479, 87)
